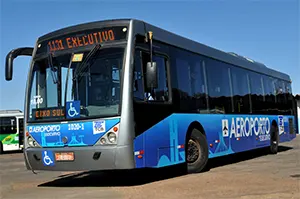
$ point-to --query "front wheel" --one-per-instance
(196, 152)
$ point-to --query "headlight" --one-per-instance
(30, 142)
(35, 144)
(102, 140)
(112, 137)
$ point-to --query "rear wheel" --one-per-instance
(196, 152)
(274, 140)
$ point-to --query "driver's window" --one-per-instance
(141, 93)
(138, 87)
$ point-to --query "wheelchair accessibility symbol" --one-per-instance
(73, 109)
(48, 157)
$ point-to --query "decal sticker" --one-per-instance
(77, 57)
(81, 133)
(73, 109)
(225, 128)
(280, 124)
(48, 158)
(225, 134)
(36, 100)
(99, 126)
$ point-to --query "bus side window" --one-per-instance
(290, 105)
(257, 93)
(241, 90)
(140, 92)
(161, 93)
(269, 89)
(280, 96)
(220, 96)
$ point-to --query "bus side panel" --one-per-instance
(287, 131)
(10, 142)
(139, 151)
(162, 144)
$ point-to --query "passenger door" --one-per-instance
(150, 107)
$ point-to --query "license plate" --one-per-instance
(64, 156)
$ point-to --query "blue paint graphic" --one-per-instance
(221, 148)
(80, 133)
(175, 156)
(225, 134)
(48, 158)
(74, 141)
(73, 109)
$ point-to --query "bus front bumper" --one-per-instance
(85, 158)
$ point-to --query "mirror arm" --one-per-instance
(26, 51)
(151, 47)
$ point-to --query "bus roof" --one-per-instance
(4, 113)
(140, 27)
(196, 47)
(84, 26)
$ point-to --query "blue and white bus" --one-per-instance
(124, 94)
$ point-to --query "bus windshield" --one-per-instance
(91, 81)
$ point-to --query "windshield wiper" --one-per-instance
(83, 66)
(52, 69)
(67, 78)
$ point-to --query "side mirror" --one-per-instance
(151, 75)
(10, 59)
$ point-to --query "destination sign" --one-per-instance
(82, 39)
(48, 113)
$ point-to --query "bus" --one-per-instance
(11, 130)
(125, 94)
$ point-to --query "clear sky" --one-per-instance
(266, 31)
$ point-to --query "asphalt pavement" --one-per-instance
(254, 174)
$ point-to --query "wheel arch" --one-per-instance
(194, 125)
(274, 129)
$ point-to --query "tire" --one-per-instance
(196, 143)
(1, 147)
(274, 140)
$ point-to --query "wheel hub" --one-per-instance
(193, 151)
